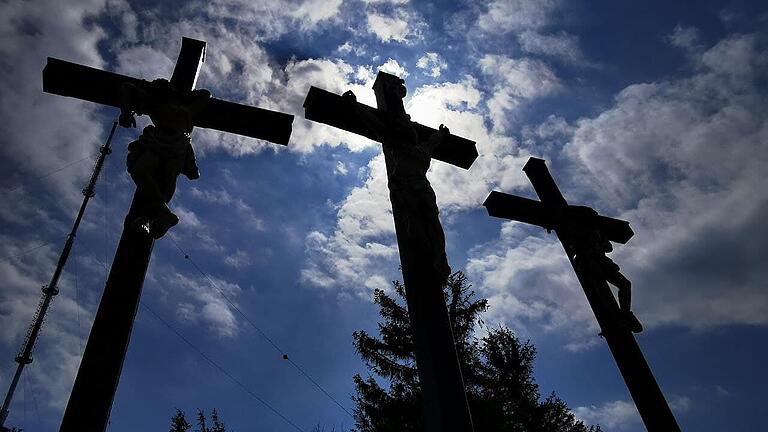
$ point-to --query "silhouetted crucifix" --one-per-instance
(586, 236)
(161, 153)
(408, 149)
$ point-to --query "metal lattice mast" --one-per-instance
(49, 291)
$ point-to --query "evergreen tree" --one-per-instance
(201, 422)
(218, 425)
(498, 372)
(179, 423)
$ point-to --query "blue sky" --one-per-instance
(652, 111)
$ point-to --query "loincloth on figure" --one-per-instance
(172, 149)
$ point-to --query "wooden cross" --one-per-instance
(97, 378)
(420, 237)
(554, 213)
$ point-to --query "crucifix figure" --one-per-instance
(408, 150)
(588, 246)
(154, 161)
(586, 237)
(164, 149)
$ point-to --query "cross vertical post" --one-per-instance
(420, 237)
(552, 213)
(94, 389)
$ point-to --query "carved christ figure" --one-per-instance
(592, 245)
(163, 150)
(408, 160)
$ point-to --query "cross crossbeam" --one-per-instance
(329, 108)
(65, 78)
(572, 224)
(549, 217)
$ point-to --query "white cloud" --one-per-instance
(203, 303)
(269, 19)
(507, 270)
(187, 218)
(457, 105)
(347, 48)
(310, 13)
(504, 16)
(677, 158)
(622, 415)
(238, 260)
(361, 247)
(562, 45)
(680, 404)
(682, 160)
(616, 415)
(40, 133)
(393, 21)
(684, 37)
(388, 28)
(186, 312)
(529, 20)
(722, 391)
(60, 342)
(33, 31)
(335, 76)
(248, 217)
(515, 81)
(432, 63)
(341, 168)
(392, 66)
(238, 68)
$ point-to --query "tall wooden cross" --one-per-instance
(420, 237)
(554, 213)
(94, 389)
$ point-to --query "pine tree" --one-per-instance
(179, 423)
(201, 422)
(498, 372)
(218, 425)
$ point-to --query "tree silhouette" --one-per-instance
(218, 425)
(497, 368)
(179, 422)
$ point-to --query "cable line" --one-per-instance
(260, 331)
(32, 249)
(215, 364)
(49, 173)
(222, 370)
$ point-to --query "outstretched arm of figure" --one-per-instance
(368, 119)
(436, 138)
(132, 100)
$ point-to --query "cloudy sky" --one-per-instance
(653, 111)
